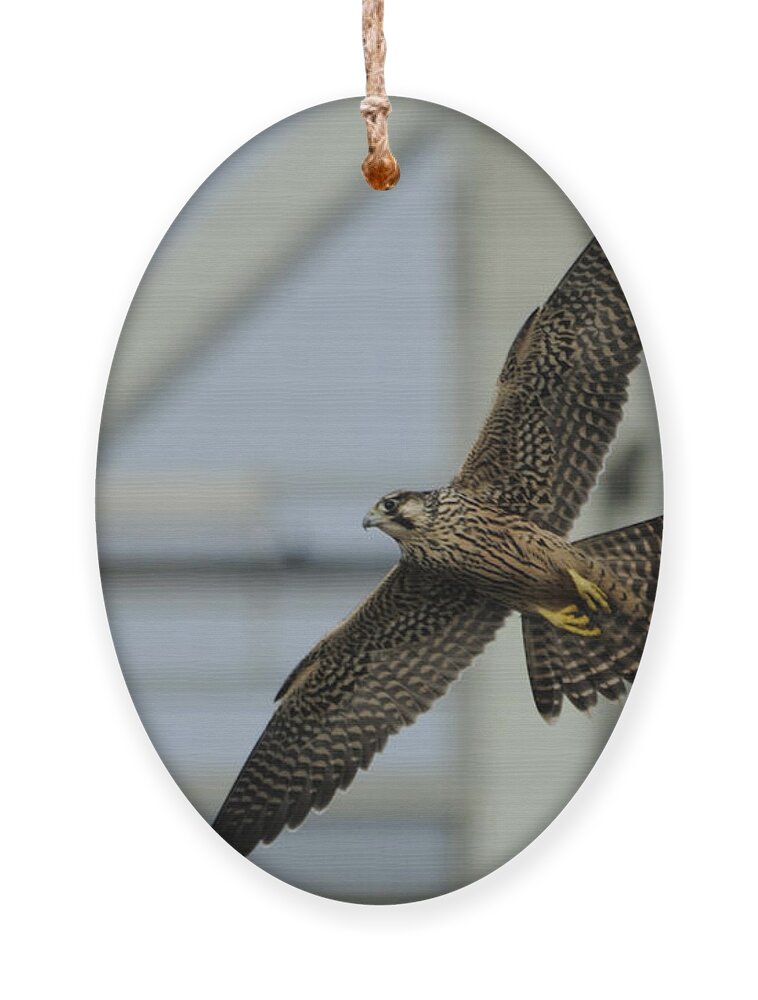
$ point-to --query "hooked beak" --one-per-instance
(371, 520)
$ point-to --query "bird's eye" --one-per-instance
(389, 506)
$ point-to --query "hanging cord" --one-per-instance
(380, 167)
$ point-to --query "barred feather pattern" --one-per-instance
(559, 399)
(375, 673)
(583, 667)
(493, 540)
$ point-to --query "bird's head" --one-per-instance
(401, 514)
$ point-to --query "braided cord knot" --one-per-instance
(380, 167)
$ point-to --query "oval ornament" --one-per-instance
(366, 455)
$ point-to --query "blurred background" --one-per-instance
(298, 346)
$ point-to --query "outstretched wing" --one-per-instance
(559, 399)
(376, 672)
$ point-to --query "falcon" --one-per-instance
(492, 542)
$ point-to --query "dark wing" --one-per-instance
(559, 399)
(376, 672)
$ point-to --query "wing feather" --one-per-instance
(375, 673)
(559, 399)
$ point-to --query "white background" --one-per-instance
(114, 887)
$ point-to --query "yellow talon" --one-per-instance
(568, 619)
(589, 592)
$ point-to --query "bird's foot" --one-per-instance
(569, 620)
(590, 593)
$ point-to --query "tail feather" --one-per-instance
(633, 554)
(581, 667)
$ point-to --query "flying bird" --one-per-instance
(491, 542)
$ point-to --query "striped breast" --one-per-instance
(506, 556)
